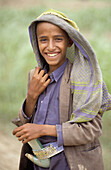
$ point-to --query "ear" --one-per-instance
(70, 42)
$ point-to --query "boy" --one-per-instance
(66, 96)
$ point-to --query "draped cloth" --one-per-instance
(90, 94)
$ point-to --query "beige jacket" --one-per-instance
(81, 144)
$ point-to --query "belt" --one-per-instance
(42, 153)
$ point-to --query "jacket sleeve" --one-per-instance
(21, 118)
(82, 133)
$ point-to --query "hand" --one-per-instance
(38, 83)
(30, 131)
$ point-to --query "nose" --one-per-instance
(51, 46)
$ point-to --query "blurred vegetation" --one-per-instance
(17, 58)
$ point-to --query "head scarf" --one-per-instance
(90, 94)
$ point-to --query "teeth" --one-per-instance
(51, 55)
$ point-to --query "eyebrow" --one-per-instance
(59, 35)
(54, 36)
(42, 37)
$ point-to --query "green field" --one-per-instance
(16, 57)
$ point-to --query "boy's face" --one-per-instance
(53, 43)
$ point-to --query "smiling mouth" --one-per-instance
(52, 55)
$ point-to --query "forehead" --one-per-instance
(46, 27)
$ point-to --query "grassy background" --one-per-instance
(16, 57)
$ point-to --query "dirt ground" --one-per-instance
(9, 150)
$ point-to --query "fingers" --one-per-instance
(26, 140)
(41, 77)
(17, 130)
(21, 135)
(41, 74)
(39, 71)
(47, 83)
(25, 133)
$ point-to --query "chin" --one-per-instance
(52, 63)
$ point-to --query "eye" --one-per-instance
(59, 39)
(43, 40)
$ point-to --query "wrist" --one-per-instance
(29, 106)
(32, 97)
(49, 130)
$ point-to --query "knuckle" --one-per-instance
(27, 135)
(24, 131)
(46, 75)
(37, 69)
(34, 75)
(42, 71)
(42, 81)
(17, 135)
(29, 138)
(44, 85)
(38, 78)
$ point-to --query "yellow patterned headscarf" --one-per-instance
(61, 15)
